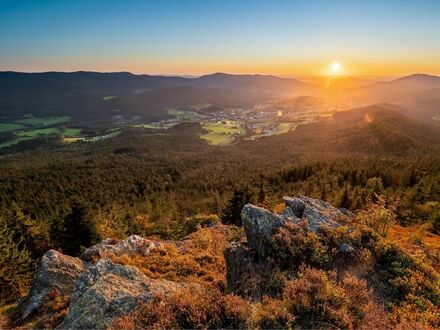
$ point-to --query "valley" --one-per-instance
(177, 166)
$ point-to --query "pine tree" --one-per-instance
(80, 230)
(345, 199)
(231, 215)
(16, 265)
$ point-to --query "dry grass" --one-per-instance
(197, 259)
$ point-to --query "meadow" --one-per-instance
(221, 132)
(31, 127)
(31, 120)
(6, 127)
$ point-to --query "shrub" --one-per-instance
(196, 307)
(271, 314)
(318, 301)
(293, 244)
(55, 309)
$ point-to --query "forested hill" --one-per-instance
(80, 94)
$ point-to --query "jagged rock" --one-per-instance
(130, 246)
(259, 225)
(239, 259)
(317, 213)
(107, 290)
(55, 271)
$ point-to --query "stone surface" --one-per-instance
(259, 225)
(107, 290)
(239, 262)
(55, 271)
(317, 213)
(346, 248)
(130, 246)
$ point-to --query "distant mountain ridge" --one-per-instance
(83, 95)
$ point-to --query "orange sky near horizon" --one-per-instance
(279, 67)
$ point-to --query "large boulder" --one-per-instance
(317, 212)
(244, 258)
(107, 290)
(56, 271)
(259, 225)
(111, 247)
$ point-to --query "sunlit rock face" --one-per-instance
(245, 258)
(99, 289)
(107, 290)
(317, 212)
(56, 271)
(260, 224)
(112, 247)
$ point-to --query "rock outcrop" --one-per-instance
(55, 271)
(107, 290)
(259, 225)
(317, 212)
(242, 258)
(99, 289)
(111, 247)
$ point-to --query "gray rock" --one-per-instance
(318, 213)
(107, 290)
(55, 271)
(239, 263)
(130, 246)
(346, 248)
(259, 225)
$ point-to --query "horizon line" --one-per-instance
(195, 76)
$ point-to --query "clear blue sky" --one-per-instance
(194, 37)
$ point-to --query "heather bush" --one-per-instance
(194, 307)
(270, 313)
(293, 244)
(411, 287)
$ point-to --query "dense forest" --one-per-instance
(71, 197)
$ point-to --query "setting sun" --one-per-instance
(335, 68)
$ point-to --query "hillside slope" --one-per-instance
(370, 130)
(311, 266)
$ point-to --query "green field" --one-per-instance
(270, 128)
(72, 131)
(39, 132)
(31, 120)
(175, 112)
(221, 132)
(5, 127)
(159, 126)
(13, 141)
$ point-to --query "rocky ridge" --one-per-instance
(243, 258)
(101, 290)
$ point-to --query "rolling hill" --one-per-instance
(372, 130)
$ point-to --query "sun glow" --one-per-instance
(335, 68)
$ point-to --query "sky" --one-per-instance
(366, 37)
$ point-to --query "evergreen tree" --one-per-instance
(345, 199)
(231, 215)
(80, 230)
(16, 265)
